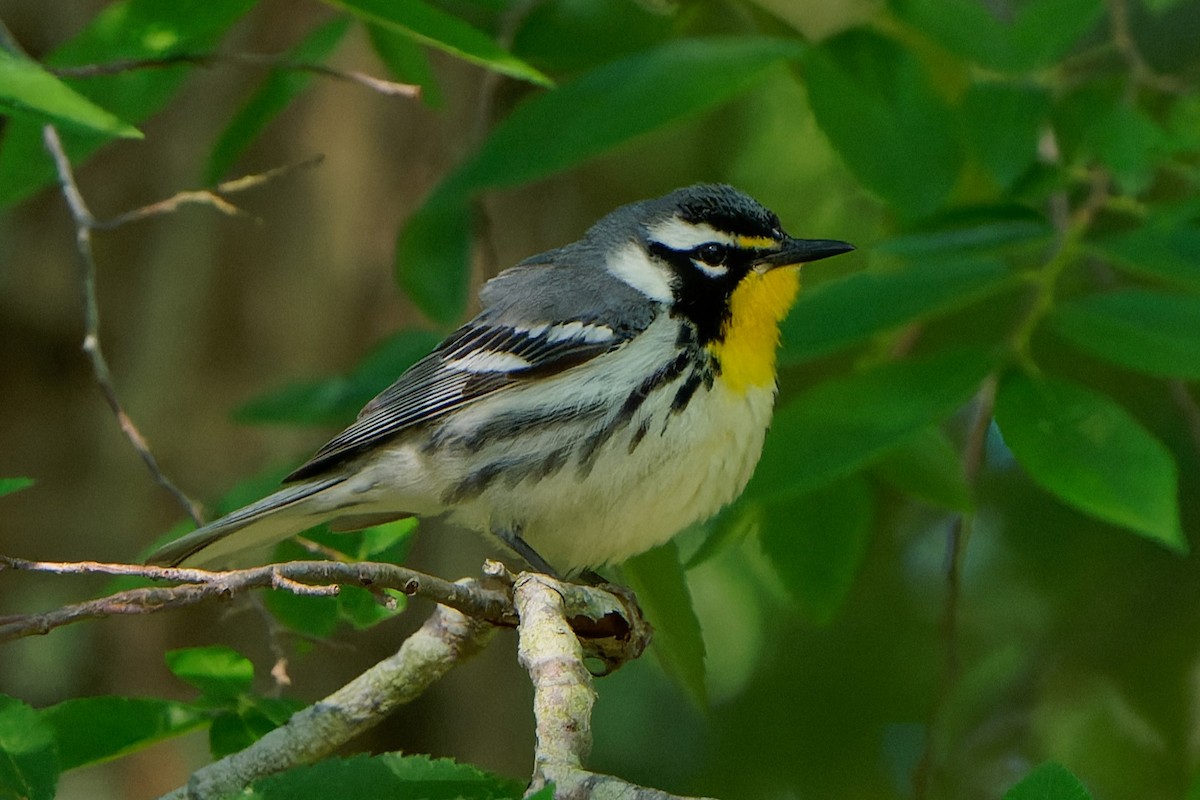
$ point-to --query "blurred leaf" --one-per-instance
(428, 24)
(840, 313)
(1146, 331)
(390, 775)
(92, 729)
(10, 485)
(1090, 453)
(26, 88)
(1048, 781)
(218, 672)
(1039, 32)
(562, 128)
(569, 36)
(129, 29)
(1159, 249)
(335, 401)
(1003, 123)
(406, 61)
(658, 578)
(838, 426)
(1130, 144)
(28, 763)
(317, 617)
(928, 467)
(277, 91)
(1183, 124)
(974, 229)
(252, 719)
(816, 542)
(874, 101)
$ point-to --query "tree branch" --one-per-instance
(446, 639)
(562, 701)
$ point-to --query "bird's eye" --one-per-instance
(712, 254)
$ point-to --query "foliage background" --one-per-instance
(879, 620)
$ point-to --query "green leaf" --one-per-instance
(658, 578)
(874, 101)
(928, 467)
(1130, 143)
(1162, 249)
(252, 719)
(406, 62)
(428, 24)
(843, 312)
(1004, 122)
(28, 763)
(129, 29)
(1040, 32)
(976, 229)
(602, 109)
(277, 91)
(841, 425)
(1146, 331)
(26, 88)
(816, 542)
(10, 485)
(1090, 453)
(390, 775)
(93, 729)
(334, 401)
(218, 672)
(1048, 781)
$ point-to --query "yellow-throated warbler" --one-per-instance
(609, 394)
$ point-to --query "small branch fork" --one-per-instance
(559, 625)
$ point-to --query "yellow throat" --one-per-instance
(756, 307)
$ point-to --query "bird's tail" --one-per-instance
(267, 521)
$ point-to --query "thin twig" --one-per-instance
(84, 223)
(214, 197)
(445, 640)
(1143, 74)
(956, 546)
(384, 87)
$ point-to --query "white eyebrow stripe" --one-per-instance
(633, 266)
(679, 235)
(489, 361)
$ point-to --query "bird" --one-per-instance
(608, 394)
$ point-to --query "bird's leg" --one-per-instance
(513, 539)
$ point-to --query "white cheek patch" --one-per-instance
(489, 361)
(679, 235)
(633, 266)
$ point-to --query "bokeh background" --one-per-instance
(1072, 639)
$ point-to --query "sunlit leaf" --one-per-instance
(816, 541)
(92, 729)
(281, 86)
(840, 313)
(1048, 781)
(428, 24)
(835, 428)
(125, 30)
(386, 775)
(1145, 331)
(1089, 452)
(658, 579)
(874, 101)
(217, 671)
(26, 88)
(28, 763)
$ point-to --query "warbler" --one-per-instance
(609, 394)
